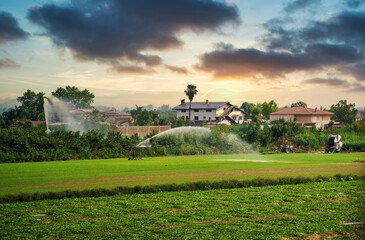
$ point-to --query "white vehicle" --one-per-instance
(334, 144)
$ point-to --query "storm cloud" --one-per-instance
(337, 42)
(252, 62)
(10, 29)
(353, 3)
(334, 82)
(123, 30)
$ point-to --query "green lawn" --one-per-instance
(82, 174)
(303, 211)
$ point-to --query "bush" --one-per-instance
(201, 185)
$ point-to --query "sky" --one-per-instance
(145, 52)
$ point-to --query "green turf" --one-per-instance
(81, 174)
(304, 211)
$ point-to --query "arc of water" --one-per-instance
(46, 113)
(174, 131)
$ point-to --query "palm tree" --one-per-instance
(190, 92)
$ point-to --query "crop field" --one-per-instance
(108, 173)
(304, 211)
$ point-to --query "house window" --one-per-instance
(209, 110)
(204, 117)
(196, 118)
(196, 110)
(183, 110)
(186, 118)
(209, 118)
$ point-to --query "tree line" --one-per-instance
(343, 112)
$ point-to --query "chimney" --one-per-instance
(321, 108)
(315, 109)
(207, 102)
(182, 101)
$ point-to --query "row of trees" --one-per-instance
(35, 144)
(260, 110)
(32, 109)
(32, 105)
(144, 117)
(265, 136)
(343, 112)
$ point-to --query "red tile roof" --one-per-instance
(300, 111)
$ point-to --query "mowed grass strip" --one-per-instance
(288, 211)
(82, 174)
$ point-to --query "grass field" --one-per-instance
(82, 174)
(304, 211)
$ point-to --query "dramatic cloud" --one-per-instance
(337, 43)
(300, 4)
(9, 28)
(231, 62)
(356, 70)
(346, 27)
(8, 63)
(354, 3)
(129, 69)
(334, 82)
(181, 70)
(122, 29)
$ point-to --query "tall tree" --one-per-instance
(144, 118)
(299, 104)
(343, 112)
(248, 108)
(75, 97)
(190, 92)
(255, 113)
(268, 108)
(32, 107)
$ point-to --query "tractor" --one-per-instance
(285, 145)
(334, 144)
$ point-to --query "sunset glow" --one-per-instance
(146, 52)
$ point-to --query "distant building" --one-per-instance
(306, 116)
(362, 115)
(120, 118)
(210, 111)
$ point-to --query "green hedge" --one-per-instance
(201, 185)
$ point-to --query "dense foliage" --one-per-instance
(74, 96)
(265, 136)
(259, 111)
(35, 144)
(155, 117)
(32, 105)
(299, 104)
(31, 108)
(197, 143)
(344, 112)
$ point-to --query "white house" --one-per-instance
(210, 111)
